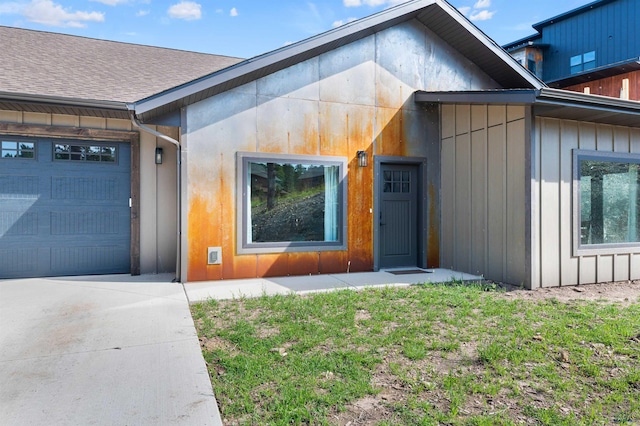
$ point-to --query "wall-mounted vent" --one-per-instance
(214, 255)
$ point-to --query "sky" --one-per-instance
(246, 28)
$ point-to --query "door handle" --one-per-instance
(380, 221)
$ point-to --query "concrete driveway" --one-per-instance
(107, 350)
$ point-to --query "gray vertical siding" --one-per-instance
(483, 191)
(554, 141)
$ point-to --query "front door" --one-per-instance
(398, 220)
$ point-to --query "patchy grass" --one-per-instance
(423, 355)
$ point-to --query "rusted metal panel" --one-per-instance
(273, 265)
(301, 81)
(347, 74)
(287, 125)
(356, 97)
(401, 63)
(333, 262)
(303, 263)
(390, 137)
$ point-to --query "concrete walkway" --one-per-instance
(105, 350)
(122, 350)
(229, 289)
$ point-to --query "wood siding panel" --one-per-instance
(36, 118)
(516, 272)
(550, 204)
(621, 267)
(495, 201)
(463, 201)
(11, 116)
(515, 112)
(463, 119)
(67, 120)
(535, 203)
(448, 121)
(604, 269)
(93, 122)
(448, 176)
(570, 265)
(479, 201)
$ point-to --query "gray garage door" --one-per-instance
(64, 207)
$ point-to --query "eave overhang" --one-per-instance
(611, 70)
(437, 15)
(60, 105)
(548, 102)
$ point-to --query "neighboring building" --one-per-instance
(404, 139)
(592, 49)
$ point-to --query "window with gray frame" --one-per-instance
(18, 149)
(607, 207)
(291, 203)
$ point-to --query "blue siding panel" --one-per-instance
(610, 29)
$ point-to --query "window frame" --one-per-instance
(580, 249)
(244, 247)
(86, 144)
(19, 140)
(580, 61)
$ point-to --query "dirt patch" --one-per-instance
(623, 292)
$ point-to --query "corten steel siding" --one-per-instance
(484, 191)
(356, 97)
(611, 30)
(611, 86)
(553, 144)
(157, 185)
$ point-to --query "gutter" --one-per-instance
(62, 101)
(157, 134)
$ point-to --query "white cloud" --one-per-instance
(111, 2)
(10, 8)
(49, 13)
(483, 15)
(187, 10)
(233, 12)
(464, 10)
(482, 4)
(341, 22)
(143, 12)
(371, 3)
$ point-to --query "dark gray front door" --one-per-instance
(398, 192)
(64, 207)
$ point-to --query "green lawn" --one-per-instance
(433, 354)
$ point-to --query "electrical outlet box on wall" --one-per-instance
(214, 256)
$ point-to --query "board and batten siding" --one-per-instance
(552, 191)
(483, 191)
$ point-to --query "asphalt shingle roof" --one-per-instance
(51, 64)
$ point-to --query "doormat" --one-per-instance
(409, 272)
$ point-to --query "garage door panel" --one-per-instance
(64, 217)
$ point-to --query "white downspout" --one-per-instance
(157, 134)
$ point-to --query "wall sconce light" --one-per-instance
(158, 155)
(362, 159)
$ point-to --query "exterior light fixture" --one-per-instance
(158, 155)
(362, 159)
